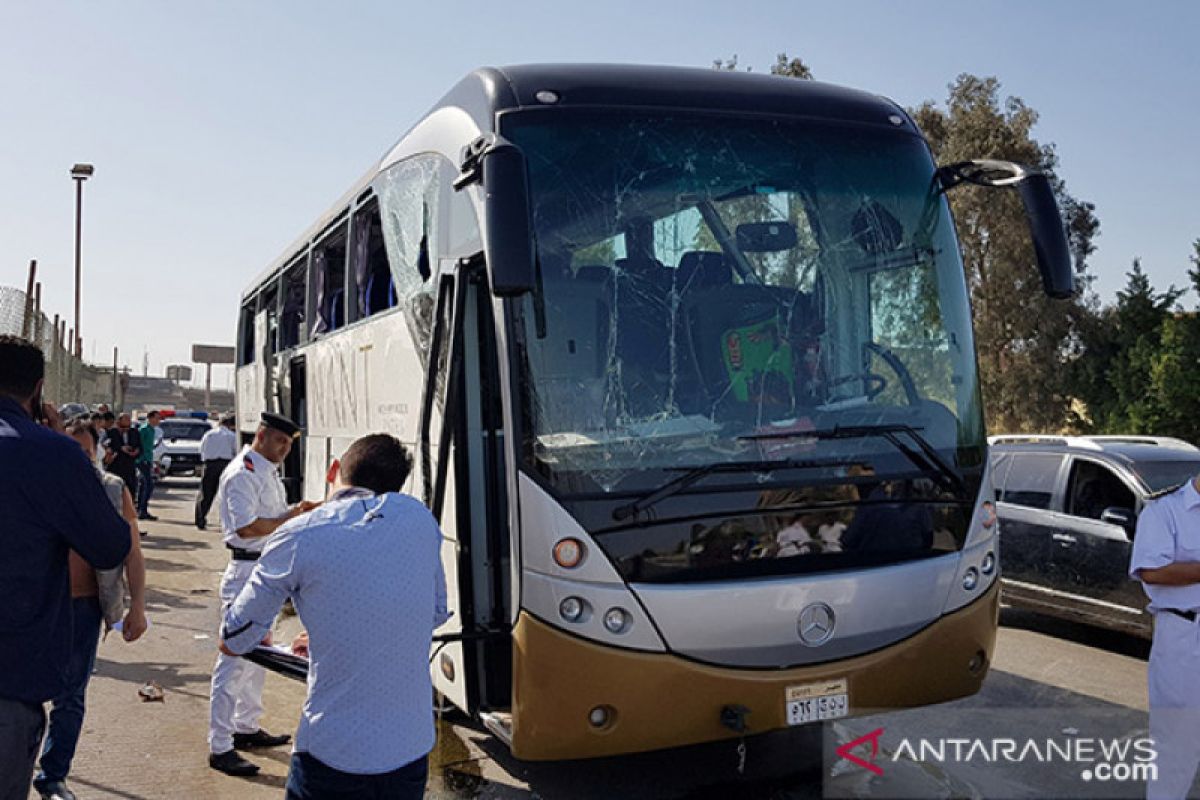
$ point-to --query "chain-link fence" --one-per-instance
(68, 379)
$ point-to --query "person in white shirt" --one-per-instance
(253, 504)
(217, 449)
(365, 574)
(1166, 559)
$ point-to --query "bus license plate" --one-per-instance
(812, 702)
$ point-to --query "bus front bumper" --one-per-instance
(660, 700)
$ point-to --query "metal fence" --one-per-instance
(68, 379)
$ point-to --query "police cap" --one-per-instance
(281, 424)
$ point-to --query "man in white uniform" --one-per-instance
(1166, 559)
(218, 447)
(253, 504)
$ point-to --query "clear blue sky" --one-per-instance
(220, 130)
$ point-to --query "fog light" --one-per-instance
(989, 564)
(601, 716)
(568, 553)
(616, 620)
(971, 579)
(977, 662)
(571, 609)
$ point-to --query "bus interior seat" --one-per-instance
(597, 273)
(291, 320)
(381, 292)
(571, 358)
(337, 309)
(702, 269)
(644, 332)
(725, 323)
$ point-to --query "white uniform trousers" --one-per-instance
(1174, 683)
(235, 704)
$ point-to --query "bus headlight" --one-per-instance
(989, 564)
(616, 620)
(970, 579)
(571, 609)
(568, 553)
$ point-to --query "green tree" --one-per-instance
(1114, 375)
(1174, 368)
(784, 65)
(791, 67)
(1023, 337)
(1140, 314)
(1175, 378)
(1194, 272)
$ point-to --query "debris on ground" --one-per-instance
(151, 692)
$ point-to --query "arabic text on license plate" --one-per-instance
(811, 702)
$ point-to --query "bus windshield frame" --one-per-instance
(712, 287)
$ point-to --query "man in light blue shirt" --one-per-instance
(1166, 559)
(364, 572)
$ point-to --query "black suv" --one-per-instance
(1068, 509)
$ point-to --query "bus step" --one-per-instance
(499, 723)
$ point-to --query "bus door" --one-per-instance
(466, 492)
(296, 409)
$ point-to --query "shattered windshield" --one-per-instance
(712, 287)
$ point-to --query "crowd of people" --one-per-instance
(73, 492)
(124, 449)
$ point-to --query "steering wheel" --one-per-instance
(875, 383)
(906, 379)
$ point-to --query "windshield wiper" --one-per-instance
(925, 456)
(693, 474)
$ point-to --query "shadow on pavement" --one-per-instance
(274, 781)
(1112, 641)
(780, 764)
(162, 565)
(157, 541)
(100, 787)
(176, 677)
(160, 600)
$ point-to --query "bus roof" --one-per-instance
(488, 91)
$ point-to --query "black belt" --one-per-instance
(1190, 616)
(241, 554)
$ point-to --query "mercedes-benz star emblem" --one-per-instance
(815, 624)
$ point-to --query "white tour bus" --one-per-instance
(685, 359)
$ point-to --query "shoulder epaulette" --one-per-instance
(1164, 492)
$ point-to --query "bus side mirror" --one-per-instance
(508, 233)
(1041, 210)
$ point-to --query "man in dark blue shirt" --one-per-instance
(50, 502)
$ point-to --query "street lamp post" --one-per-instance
(79, 173)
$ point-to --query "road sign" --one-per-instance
(212, 354)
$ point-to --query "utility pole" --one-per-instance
(37, 314)
(79, 174)
(27, 320)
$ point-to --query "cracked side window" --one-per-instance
(408, 201)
